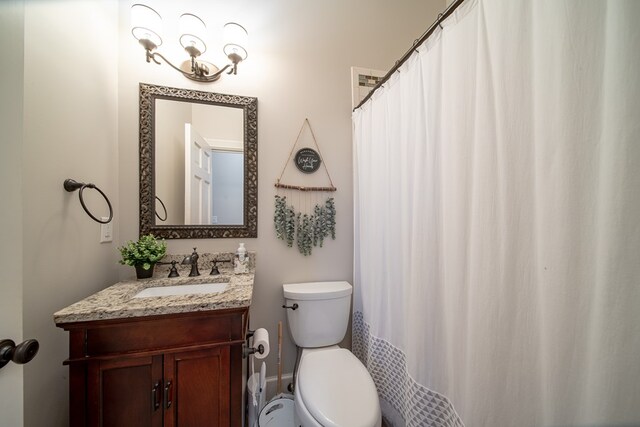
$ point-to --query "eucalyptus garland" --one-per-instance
(284, 221)
(280, 217)
(305, 235)
(320, 230)
(330, 216)
(290, 225)
(308, 230)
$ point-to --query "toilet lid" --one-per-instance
(337, 389)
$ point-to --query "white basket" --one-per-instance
(279, 412)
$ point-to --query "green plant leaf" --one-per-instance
(146, 251)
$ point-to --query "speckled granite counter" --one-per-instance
(116, 301)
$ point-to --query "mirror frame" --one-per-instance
(148, 94)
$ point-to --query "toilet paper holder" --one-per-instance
(246, 350)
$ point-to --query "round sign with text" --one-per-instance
(307, 160)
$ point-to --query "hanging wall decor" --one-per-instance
(307, 160)
(305, 215)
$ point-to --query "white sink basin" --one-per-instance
(166, 291)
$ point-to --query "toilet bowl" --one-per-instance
(333, 388)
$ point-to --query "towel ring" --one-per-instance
(71, 185)
(163, 207)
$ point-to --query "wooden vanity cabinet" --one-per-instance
(170, 370)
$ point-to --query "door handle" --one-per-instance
(155, 396)
(168, 394)
(21, 353)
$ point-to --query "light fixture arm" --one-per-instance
(199, 72)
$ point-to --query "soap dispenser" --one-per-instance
(241, 260)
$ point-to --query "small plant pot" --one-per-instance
(141, 273)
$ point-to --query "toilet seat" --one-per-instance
(337, 390)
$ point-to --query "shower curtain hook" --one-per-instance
(440, 21)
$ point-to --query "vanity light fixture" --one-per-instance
(146, 27)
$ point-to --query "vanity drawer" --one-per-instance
(153, 334)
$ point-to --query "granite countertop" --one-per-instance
(117, 302)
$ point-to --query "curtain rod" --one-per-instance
(417, 42)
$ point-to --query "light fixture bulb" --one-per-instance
(146, 25)
(193, 32)
(235, 41)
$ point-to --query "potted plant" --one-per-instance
(143, 254)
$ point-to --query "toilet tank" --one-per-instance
(322, 316)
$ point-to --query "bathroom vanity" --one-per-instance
(158, 360)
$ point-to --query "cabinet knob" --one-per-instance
(21, 353)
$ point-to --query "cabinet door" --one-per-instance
(125, 392)
(197, 388)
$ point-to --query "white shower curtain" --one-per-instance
(497, 220)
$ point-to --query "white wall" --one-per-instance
(217, 122)
(299, 63)
(11, 102)
(70, 131)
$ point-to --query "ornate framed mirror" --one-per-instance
(198, 164)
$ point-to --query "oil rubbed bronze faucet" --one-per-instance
(193, 260)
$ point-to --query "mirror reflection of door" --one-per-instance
(214, 177)
(182, 183)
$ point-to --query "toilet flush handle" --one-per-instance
(292, 307)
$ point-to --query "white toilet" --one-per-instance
(333, 388)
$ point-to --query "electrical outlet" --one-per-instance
(106, 231)
(214, 219)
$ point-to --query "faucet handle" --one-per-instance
(214, 268)
(173, 272)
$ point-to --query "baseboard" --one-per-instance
(272, 383)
